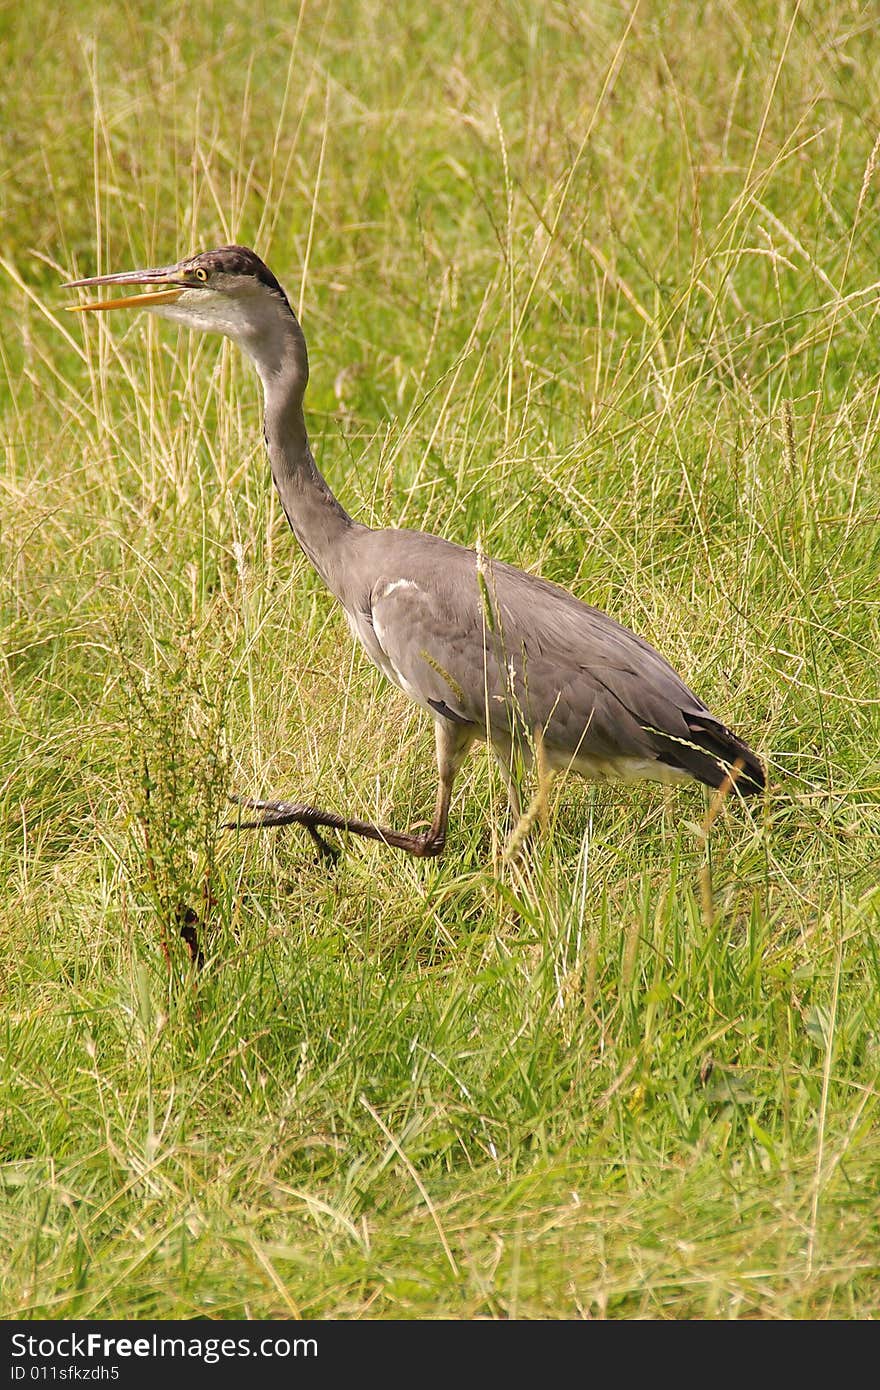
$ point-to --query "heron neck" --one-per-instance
(316, 518)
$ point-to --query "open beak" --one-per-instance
(168, 276)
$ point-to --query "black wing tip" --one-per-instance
(727, 757)
(751, 780)
(713, 755)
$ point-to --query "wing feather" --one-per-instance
(487, 644)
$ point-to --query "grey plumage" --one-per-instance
(489, 651)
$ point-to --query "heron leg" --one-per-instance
(504, 759)
(511, 756)
(452, 743)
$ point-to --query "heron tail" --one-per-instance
(713, 753)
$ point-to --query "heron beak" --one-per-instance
(132, 301)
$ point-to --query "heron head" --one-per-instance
(229, 291)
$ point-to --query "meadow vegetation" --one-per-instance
(597, 288)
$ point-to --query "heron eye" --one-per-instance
(201, 274)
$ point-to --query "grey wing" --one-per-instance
(638, 706)
(428, 647)
(505, 651)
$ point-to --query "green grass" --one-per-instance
(603, 296)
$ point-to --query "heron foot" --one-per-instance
(278, 813)
(326, 851)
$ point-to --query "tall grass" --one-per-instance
(597, 289)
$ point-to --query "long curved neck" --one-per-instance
(319, 522)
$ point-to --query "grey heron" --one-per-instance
(487, 650)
